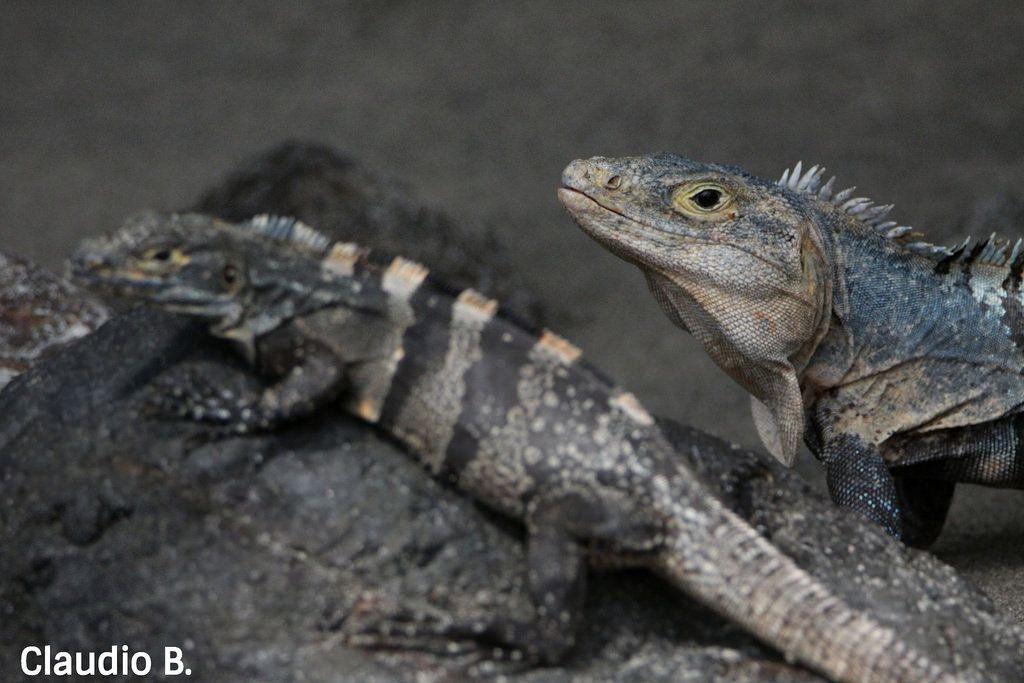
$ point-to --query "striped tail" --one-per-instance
(718, 558)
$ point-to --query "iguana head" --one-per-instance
(734, 259)
(245, 279)
(184, 263)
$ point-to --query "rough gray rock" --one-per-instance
(39, 312)
(250, 552)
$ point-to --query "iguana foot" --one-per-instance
(487, 645)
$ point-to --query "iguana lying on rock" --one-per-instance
(889, 355)
(514, 419)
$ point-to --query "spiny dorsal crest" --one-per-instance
(340, 258)
(992, 251)
(291, 231)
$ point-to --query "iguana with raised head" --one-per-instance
(515, 419)
(889, 355)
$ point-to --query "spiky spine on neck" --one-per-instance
(992, 251)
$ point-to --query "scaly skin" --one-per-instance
(900, 363)
(512, 418)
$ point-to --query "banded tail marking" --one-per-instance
(551, 345)
(435, 400)
(628, 404)
(401, 280)
(403, 277)
(342, 258)
(471, 304)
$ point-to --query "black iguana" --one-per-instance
(880, 350)
(514, 419)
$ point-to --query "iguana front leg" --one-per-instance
(857, 475)
(924, 504)
(314, 380)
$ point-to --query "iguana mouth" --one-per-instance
(137, 285)
(109, 278)
(565, 191)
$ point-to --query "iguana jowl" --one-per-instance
(883, 352)
(515, 419)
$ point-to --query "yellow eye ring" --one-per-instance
(702, 199)
(163, 257)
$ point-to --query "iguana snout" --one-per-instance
(594, 176)
(616, 203)
(599, 185)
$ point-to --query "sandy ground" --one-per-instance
(103, 113)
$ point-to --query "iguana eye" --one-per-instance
(230, 275)
(704, 198)
(162, 258)
(158, 255)
(707, 199)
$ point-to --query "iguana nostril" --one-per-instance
(613, 182)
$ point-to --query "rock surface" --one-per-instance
(249, 553)
(39, 312)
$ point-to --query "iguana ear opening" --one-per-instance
(780, 419)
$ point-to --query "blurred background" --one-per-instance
(109, 109)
